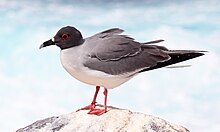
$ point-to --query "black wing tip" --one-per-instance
(177, 57)
(199, 53)
(203, 52)
(194, 54)
(161, 40)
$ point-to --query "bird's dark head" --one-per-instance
(66, 37)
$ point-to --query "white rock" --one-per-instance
(115, 120)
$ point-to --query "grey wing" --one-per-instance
(118, 54)
(115, 47)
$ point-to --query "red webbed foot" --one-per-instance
(97, 112)
(89, 107)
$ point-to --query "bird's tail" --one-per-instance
(177, 56)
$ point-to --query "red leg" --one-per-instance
(95, 96)
(101, 111)
(92, 105)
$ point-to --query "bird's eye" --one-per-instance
(64, 36)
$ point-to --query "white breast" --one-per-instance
(72, 61)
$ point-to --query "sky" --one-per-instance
(34, 85)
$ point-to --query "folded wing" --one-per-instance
(119, 54)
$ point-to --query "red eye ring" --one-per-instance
(65, 36)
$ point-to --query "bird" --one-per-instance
(109, 58)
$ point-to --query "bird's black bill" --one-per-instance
(47, 43)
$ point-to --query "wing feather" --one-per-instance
(117, 54)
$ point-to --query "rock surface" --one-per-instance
(115, 120)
